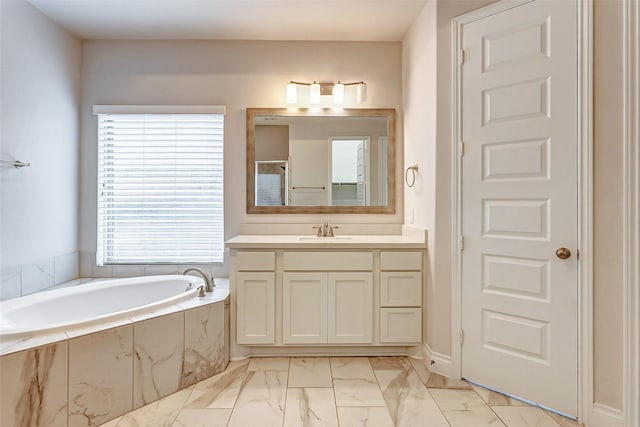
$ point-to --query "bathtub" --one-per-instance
(86, 354)
(93, 303)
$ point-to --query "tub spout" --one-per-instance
(209, 282)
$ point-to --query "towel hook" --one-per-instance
(413, 169)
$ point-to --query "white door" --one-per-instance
(304, 317)
(350, 308)
(519, 202)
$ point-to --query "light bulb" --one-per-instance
(338, 93)
(362, 92)
(314, 93)
(291, 93)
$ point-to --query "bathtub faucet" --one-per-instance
(208, 281)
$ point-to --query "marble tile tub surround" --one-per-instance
(91, 379)
(8, 346)
(304, 392)
(35, 276)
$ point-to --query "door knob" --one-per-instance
(563, 253)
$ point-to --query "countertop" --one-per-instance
(394, 241)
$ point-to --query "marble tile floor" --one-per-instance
(336, 392)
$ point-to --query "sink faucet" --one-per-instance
(325, 230)
(208, 282)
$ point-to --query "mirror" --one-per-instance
(321, 160)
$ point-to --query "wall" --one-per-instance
(238, 74)
(40, 81)
(419, 95)
(608, 203)
(431, 199)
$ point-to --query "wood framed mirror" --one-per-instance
(314, 161)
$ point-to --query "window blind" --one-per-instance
(160, 188)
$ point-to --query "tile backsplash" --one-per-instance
(88, 268)
(35, 276)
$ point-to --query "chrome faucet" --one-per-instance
(208, 281)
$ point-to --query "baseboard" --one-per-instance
(439, 363)
(605, 416)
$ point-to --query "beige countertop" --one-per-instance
(395, 241)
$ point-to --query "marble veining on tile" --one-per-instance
(496, 399)
(563, 421)
(33, 387)
(204, 343)
(310, 407)
(364, 417)
(219, 391)
(161, 413)
(158, 358)
(66, 267)
(202, 418)
(254, 393)
(440, 381)
(420, 366)
(389, 363)
(310, 372)
(409, 402)
(269, 364)
(37, 275)
(464, 408)
(524, 416)
(261, 401)
(98, 395)
(354, 382)
(10, 286)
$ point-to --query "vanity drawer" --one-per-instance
(256, 261)
(328, 261)
(401, 289)
(400, 260)
(400, 325)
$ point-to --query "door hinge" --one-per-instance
(461, 336)
(461, 56)
(462, 148)
(461, 243)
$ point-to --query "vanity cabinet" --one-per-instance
(327, 308)
(400, 297)
(293, 293)
(327, 298)
(256, 288)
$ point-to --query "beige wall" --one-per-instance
(419, 98)
(40, 80)
(608, 208)
(238, 74)
(426, 123)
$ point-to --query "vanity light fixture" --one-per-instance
(316, 90)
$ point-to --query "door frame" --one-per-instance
(585, 192)
(631, 233)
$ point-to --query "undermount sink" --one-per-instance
(321, 239)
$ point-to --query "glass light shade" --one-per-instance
(338, 93)
(362, 92)
(314, 93)
(291, 93)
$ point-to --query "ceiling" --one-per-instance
(326, 20)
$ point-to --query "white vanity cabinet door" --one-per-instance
(400, 325)
(256, 307)
(304, 317)
(350, 308)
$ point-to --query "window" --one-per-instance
(160, 185)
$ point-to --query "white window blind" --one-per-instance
(160, 188)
